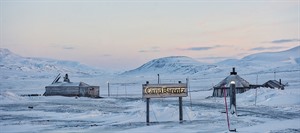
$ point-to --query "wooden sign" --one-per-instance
(164, 90)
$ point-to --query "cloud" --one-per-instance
(212, 58)
(202, 48)
(285, 41)
(265, 48)
(106, 55)
(152, 49)
(63, 46)
(199, 48)
(68, 48)
(143, 51)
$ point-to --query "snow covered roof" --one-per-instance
(239, 82)
(274, 84)
(79, 84)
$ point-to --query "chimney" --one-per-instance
(280, 81)
(233, 72)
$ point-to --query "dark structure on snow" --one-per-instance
(241, 85)
(274, 84)
(68, 88)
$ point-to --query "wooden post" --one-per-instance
(147, 108)
(180, 109)
(108, 93)
(147, 111)
(256, 89)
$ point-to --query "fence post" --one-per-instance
(108, 93)
(157, 78)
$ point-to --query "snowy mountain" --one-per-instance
(266, 62)
(172, 65)
(288, 60)
(291, 56)
(13, 62)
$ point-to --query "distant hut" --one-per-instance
(241, 85)
(68, 88)
(274, 84)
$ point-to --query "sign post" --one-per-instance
(163, 91)
(147, 108)
(180, 110)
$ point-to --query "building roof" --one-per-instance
(79, 84)
(239, 82)
(273, 84)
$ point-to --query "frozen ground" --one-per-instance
(275, 110)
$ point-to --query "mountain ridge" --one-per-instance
(14, 62)
(253, 62)
(167, 65)
(171, 64)
(285, 55)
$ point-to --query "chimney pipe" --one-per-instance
(233, 71)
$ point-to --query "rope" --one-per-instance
(154, 114)
(187, 115)
(188, 85)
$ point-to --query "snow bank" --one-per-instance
(8, 96)
(278, 126)
(270, 97)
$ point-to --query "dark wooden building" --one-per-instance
(68, 88)
(274, 84)
(241, 85)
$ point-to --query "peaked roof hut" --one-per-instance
(241, 85)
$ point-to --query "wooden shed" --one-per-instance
(241, 85)
(274, 84)
(68, 88)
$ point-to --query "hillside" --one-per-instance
(172, 65)
(265, 62)
(10, 61)
(290, 56)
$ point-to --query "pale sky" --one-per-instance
(124, 34)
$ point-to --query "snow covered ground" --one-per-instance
(275, 111)
(125, 111)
